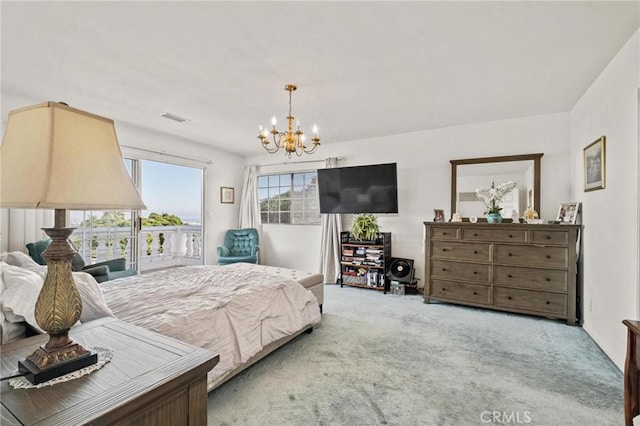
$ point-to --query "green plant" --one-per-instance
(365, 227)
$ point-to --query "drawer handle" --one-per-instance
(475, 273)
(475, 235)
(444, 269)
(509, 297)
(510, 236)
(444, 289)
(548, 237)
(509, 276)
(548, 303)
(475, 252)
(548, 257)
(547, 279)
(444, 233)
(510, 254)
(444, 249)
(475, 293)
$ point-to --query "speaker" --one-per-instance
(401, 270)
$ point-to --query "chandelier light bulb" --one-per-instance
(315, 130)
(260, 128)
(274, 121)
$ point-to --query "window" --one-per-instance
(290, 198)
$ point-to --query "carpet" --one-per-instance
(384, 359)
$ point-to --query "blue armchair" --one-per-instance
(240, 245)
(101, 271)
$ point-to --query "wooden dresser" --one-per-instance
(151, 380)
(528, 269)
(632, 373)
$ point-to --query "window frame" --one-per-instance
(310, 216)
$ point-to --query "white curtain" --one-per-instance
(331, 228)
(249, 206)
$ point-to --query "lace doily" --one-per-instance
(104, 356)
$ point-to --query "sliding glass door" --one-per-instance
(167, 234)
(171, 227)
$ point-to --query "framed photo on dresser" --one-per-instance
(568, 213)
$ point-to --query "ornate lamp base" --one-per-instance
(57, 309)
(48, 363)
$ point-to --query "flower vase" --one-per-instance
(494, 218)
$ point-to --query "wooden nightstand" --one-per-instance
(151, 380)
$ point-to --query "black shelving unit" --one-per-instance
(365, 264)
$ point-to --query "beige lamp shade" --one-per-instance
(57, 157)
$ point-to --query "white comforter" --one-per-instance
(229, 310)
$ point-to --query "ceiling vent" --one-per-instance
(174, 117)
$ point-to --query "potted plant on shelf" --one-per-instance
(492, 197)
(365, 227)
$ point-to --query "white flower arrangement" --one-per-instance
(492, 197)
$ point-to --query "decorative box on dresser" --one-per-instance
(529, 269)
(150, 380)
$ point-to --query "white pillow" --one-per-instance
(9, 331)
(20, 296)
(93, 303)
(23, 288)
(18, 258)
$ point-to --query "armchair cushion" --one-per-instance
(119, 264)
(100, 273)
(36, 249)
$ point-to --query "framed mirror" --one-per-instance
(469, 174)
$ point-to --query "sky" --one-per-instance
(169, 188)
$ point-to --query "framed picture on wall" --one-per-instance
(594, 165)
(568, 213)
(226, 195)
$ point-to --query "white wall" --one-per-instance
(226, 170)
(424, 175)
(610, 216)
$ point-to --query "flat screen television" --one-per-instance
(359, 189)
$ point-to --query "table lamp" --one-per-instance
(57, 157)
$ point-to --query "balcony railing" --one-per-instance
(160, 246)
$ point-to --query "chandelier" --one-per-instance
(290, 140)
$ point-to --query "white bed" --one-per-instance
(241, 312)
(236, 311)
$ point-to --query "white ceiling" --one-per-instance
(363, 69)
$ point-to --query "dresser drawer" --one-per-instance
(550, 237)
(552, 257)
(537, 279)
(461, 251)
(473, 293)
(498, 235)
(549, 303)
(460, 271)
(445, 233)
